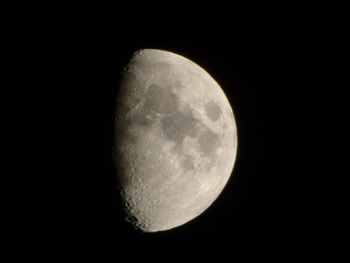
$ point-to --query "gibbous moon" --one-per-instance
(175, 140)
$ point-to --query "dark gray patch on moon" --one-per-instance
(188, 162)
(160, 99)
(213, 111)
(178, 124)
(141, 119)
(208, 142)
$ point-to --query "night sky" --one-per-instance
(263, 66)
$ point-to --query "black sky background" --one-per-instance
(263, 63)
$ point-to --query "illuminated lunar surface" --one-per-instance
(176, 140)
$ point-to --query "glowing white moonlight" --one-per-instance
(176, 140)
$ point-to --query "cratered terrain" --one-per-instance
(175, 140)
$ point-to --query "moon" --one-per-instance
(175, 140)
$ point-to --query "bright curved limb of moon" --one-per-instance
(176, 140)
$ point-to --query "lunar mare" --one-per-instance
(175, 141)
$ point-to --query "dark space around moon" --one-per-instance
(264, 204)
